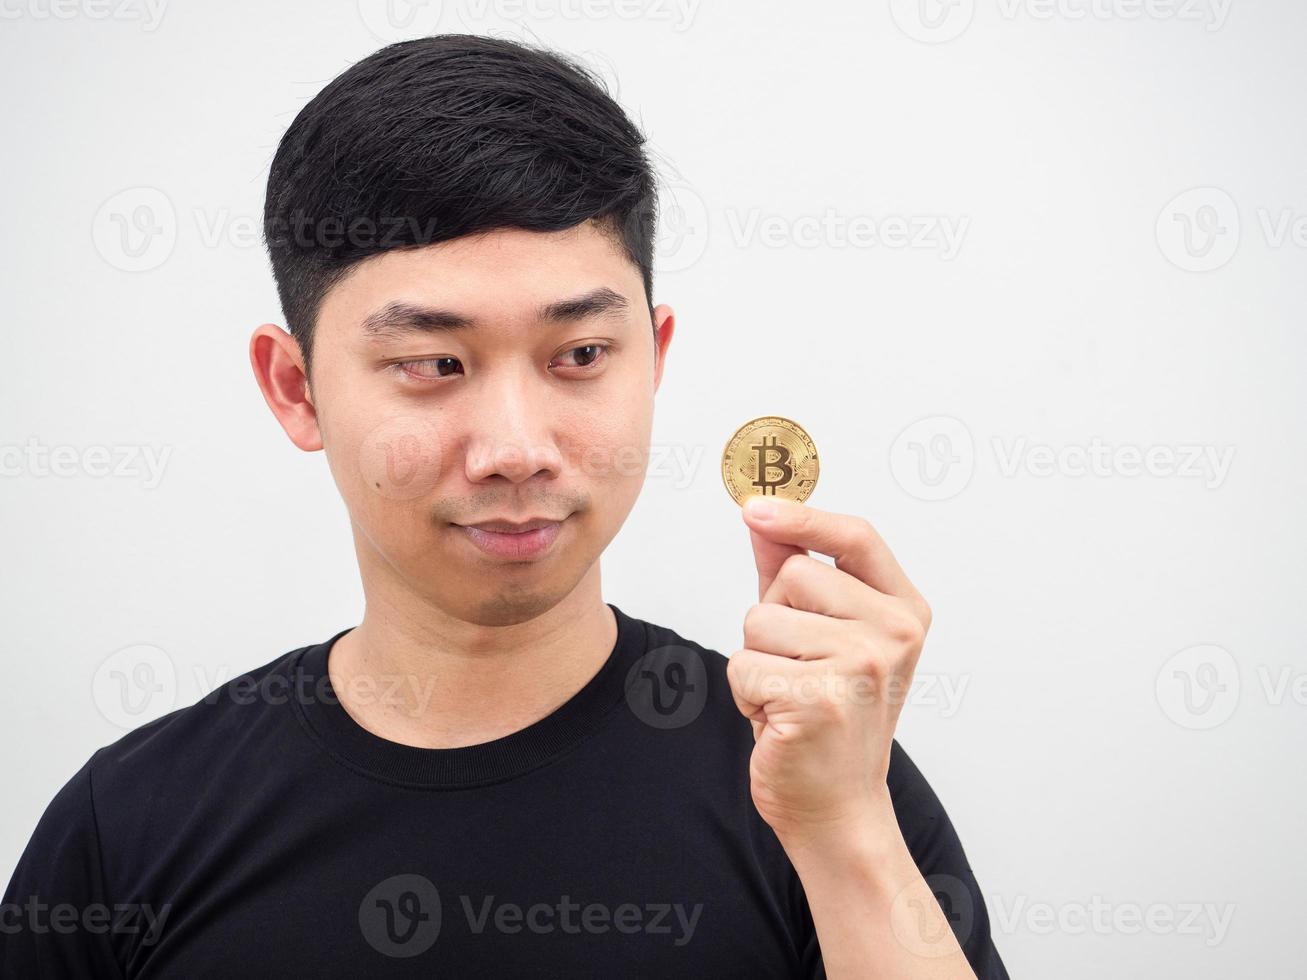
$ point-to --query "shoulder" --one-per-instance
(125, 783)
(684, 662)
(676, 685)
(194, 734)
(101, 833)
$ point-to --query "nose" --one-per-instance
(509, 435)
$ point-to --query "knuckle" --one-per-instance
(829, 710)
(870, 658)
(866, 531)
(924, 612)
(908, 630)
(876, 666)
(793, 566)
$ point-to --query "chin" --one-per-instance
(508, 607)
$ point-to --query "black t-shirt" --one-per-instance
(261, 832)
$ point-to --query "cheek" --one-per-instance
(401, 458)
(378, 450)
(386, 467)
(606, 444)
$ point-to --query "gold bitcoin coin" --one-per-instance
(770, 456)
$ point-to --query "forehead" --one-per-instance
(503, 275)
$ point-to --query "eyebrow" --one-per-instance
(400, 319)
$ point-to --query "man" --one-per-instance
(497, 773)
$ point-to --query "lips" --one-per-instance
(522, 541)
(509, 527)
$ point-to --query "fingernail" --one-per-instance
(762, 510)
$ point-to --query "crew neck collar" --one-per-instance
(326, 720)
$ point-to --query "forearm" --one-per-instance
(874, 913)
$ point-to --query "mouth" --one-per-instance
(518, 541)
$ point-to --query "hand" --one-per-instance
(827, 662)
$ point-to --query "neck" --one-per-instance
(412, 673)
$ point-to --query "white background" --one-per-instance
(1125, 640)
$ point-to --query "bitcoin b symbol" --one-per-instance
(780, 462)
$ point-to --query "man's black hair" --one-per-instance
(443, 136)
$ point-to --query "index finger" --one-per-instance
(856, 546)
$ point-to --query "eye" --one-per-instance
(595, 353)
(429, 369)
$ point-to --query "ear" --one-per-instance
(279, 369)
(664, 327)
